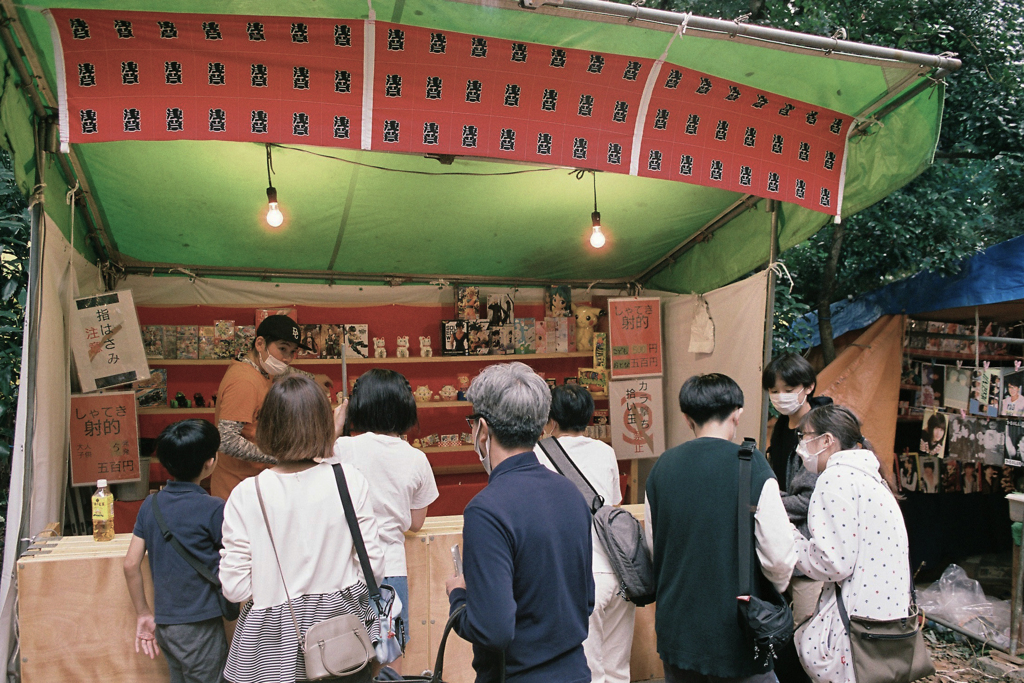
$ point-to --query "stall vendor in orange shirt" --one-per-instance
(240, 397)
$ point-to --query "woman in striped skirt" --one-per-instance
(314, 546)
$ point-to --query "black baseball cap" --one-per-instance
(281, 328)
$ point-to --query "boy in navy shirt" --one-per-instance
(186, 622)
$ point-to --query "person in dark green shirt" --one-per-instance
(692, 528)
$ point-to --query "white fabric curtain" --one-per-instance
(738, 314)
(65, 275)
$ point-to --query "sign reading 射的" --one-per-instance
(104, 438)
(634, 337)
(637, 417)
(107, 341)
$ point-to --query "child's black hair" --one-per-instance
(382, 402)
(792, 368)
(184, 447)
(710, 397)
(572, 406)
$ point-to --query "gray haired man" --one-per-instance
(528, 588)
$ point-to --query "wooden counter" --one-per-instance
(77, 621)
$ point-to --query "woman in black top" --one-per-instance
(790, 381)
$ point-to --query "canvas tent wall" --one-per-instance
(194, 207)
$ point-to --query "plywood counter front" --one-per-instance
(77, 621)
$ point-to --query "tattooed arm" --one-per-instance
(233, 443)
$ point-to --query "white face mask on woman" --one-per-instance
(788, 403)
(273, 366)
(809, 459)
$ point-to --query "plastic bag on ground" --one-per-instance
(958, 599)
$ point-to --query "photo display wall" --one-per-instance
(972, 418)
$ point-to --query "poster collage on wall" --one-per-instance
(972, 429)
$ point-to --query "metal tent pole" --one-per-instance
(769, 316)
(766, 33)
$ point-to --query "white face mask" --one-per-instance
(485, 457)
(809, 459)
(787, 404)
(273, 366)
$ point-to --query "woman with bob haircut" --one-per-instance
(858, 541)
(383, 408)
(313, 542)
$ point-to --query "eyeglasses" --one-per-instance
(803, 436)
(472, 418)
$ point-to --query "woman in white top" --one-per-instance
(383, 407)
(313, 542)
(610, 638)
(858, 541)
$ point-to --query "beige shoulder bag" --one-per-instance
(339, 646)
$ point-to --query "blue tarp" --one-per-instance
(994, 276)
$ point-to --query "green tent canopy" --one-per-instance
(373, 215)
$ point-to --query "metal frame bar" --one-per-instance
(769, 316)
(766, 33)
(393, 279)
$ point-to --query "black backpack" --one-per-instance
(618, 531)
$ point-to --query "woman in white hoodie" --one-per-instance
(858, 541)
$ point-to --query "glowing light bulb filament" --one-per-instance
(274, 216)
(597, 238)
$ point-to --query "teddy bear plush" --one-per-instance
(378, 348)
(403, 347)
(586, 321)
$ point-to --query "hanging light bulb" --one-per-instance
(274, 216)
(596, 237)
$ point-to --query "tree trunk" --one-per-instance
(828, 288)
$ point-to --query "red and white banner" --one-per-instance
(164, 76)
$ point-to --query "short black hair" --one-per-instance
(572, 406)
(710, 397)
(382, 402)
(792, 368)
(1014, 379)
(184, 447)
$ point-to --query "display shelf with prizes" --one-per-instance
(379, 351)
(403, 347)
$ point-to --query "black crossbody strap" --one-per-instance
(567, 468)
(357, 536)
(744, 515)
(196, 563)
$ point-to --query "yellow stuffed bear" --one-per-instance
(586, 321)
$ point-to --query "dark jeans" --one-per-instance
(674, 675)
(195, 652)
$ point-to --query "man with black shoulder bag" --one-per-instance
(712, 507)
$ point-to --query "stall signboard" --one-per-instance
(634, 337)
(104, 438)
(107, 341)
(637, 418)
(288, 80)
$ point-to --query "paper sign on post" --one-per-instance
(637, 418)
(634, 337)
(104, 438)
(107, 341)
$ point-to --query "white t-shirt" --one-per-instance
(596, 460)
(400, 481)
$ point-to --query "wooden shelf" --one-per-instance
(168, 411)
(444, 404)
(390, 360)
(442, 470)
(447, 449)
(910, 387)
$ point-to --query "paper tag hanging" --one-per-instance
(702, 332)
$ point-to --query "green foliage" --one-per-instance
(14, 248)
(972, 197)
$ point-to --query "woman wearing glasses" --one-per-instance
(857, 543)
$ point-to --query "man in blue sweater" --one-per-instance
(528, 586)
